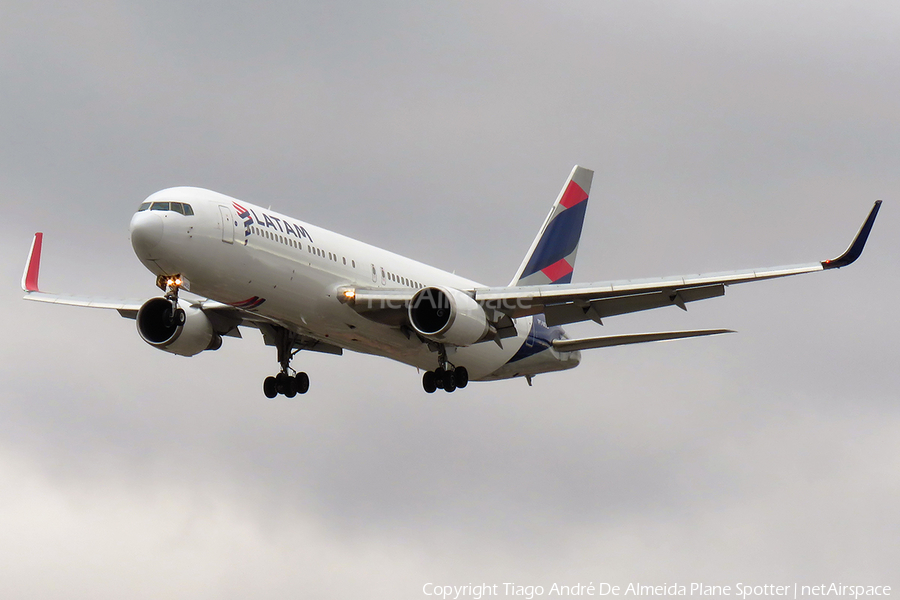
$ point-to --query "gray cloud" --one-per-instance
(723, 136)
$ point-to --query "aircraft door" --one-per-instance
(228, 224)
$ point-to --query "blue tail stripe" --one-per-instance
(559, 240)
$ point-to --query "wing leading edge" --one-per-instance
(571, 303)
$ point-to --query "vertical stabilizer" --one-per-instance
(551, 258)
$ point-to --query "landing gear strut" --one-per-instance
(174, 316)
(284, 382)
(447, 376)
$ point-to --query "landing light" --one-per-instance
(349, 294)
(164, 282)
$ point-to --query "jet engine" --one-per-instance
(447, 316)
(184, 330)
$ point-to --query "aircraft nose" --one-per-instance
(146, 232)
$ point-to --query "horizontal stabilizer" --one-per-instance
(632, 338)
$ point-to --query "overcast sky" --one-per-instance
(724, 135)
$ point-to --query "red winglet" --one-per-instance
(30, 278)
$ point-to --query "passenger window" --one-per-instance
(144, 206)
(159, 206)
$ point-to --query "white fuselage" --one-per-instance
(241, 254)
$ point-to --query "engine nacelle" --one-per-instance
(448, 316)
(163, 329)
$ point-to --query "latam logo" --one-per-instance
(249, 303)
(281, 225)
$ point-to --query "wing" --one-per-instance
(225, 318)
(570, 303)
(126, 307)
(579, 302)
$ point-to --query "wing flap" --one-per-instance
(597, 310)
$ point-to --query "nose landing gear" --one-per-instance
(284, 382)
(173, 317)
(447, 376)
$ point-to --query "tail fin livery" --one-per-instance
(33, 266)
(551, 258)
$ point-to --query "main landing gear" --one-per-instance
(284, 382)
(446, 377)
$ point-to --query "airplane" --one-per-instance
(307, 288)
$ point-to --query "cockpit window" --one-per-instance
(179, 207)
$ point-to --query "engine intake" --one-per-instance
(448, 316)
(162, 328)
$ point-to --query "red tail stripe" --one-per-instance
(557, 270)
(573, 195)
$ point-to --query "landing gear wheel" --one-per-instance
(282, 380)
(290, 387)
(449, 381)
(429, 382)
(439, 378)
(270, 388)
(180, 317)
(301, 383)
(461, 377)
